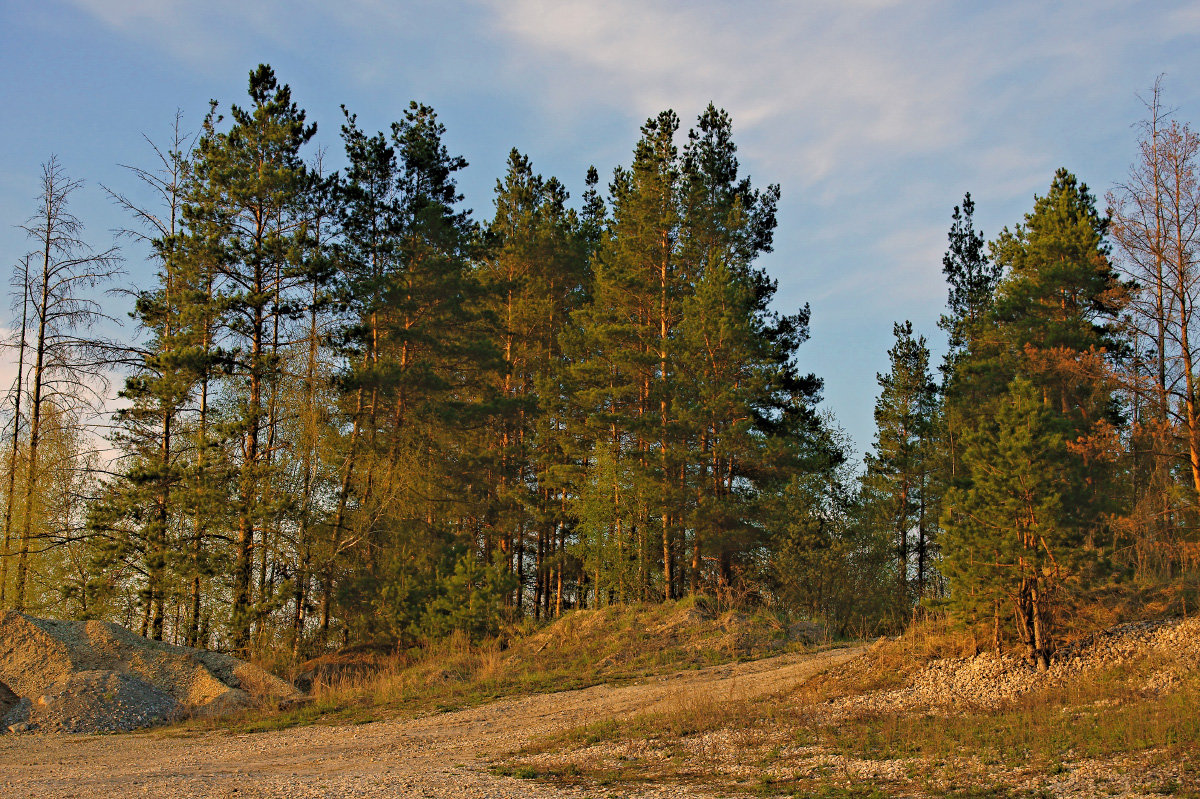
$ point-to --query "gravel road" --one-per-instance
(439, 756)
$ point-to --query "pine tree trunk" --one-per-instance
(996, 627)
(1041, 642)
(539, 583)
(309, 465)
(248, 506)
(559, 556)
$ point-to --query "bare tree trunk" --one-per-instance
(18, 389)
(1183, 230)
(35, 421)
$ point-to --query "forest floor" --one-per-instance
(454, 754)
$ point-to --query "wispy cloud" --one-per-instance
(875, 115)
(820, 85)
(829, 95)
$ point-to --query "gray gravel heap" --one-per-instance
(989, 680)
(103, 701)
(92, 676)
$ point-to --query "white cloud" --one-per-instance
(818, 85)
(875, 115)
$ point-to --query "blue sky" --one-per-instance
(874, 115)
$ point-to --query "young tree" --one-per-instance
(1014, 535)
(1055, 339)
(899, 472)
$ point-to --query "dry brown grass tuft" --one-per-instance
(615, 644)
(1129, 726)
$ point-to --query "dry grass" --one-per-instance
(612, 645)
(1125, 718)
(1105, 714)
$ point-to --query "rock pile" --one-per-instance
(988, 680)
(92, 676)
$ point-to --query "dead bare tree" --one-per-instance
(20, 279)
(1156, 224)
(68, 366)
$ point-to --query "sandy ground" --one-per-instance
(439, 756)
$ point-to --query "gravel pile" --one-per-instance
(988, 680)
(94, 676)
(103, 701)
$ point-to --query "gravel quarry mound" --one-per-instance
(989, 680)
(93, 676)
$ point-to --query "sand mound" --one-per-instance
(112, 679)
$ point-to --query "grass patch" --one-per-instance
(1101, 716)
(1106, 716)
(613, 645)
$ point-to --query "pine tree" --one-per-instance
(246, 208)
(621, 370)
(369, 217)
(1058, 306)
(427, 370)
(138, 517)
(744, 416)
(972, 279)
(1014, 537)
(533, 277)
(899, 471)
(684, 383)
(1054, 337)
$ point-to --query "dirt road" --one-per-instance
(439, 756)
